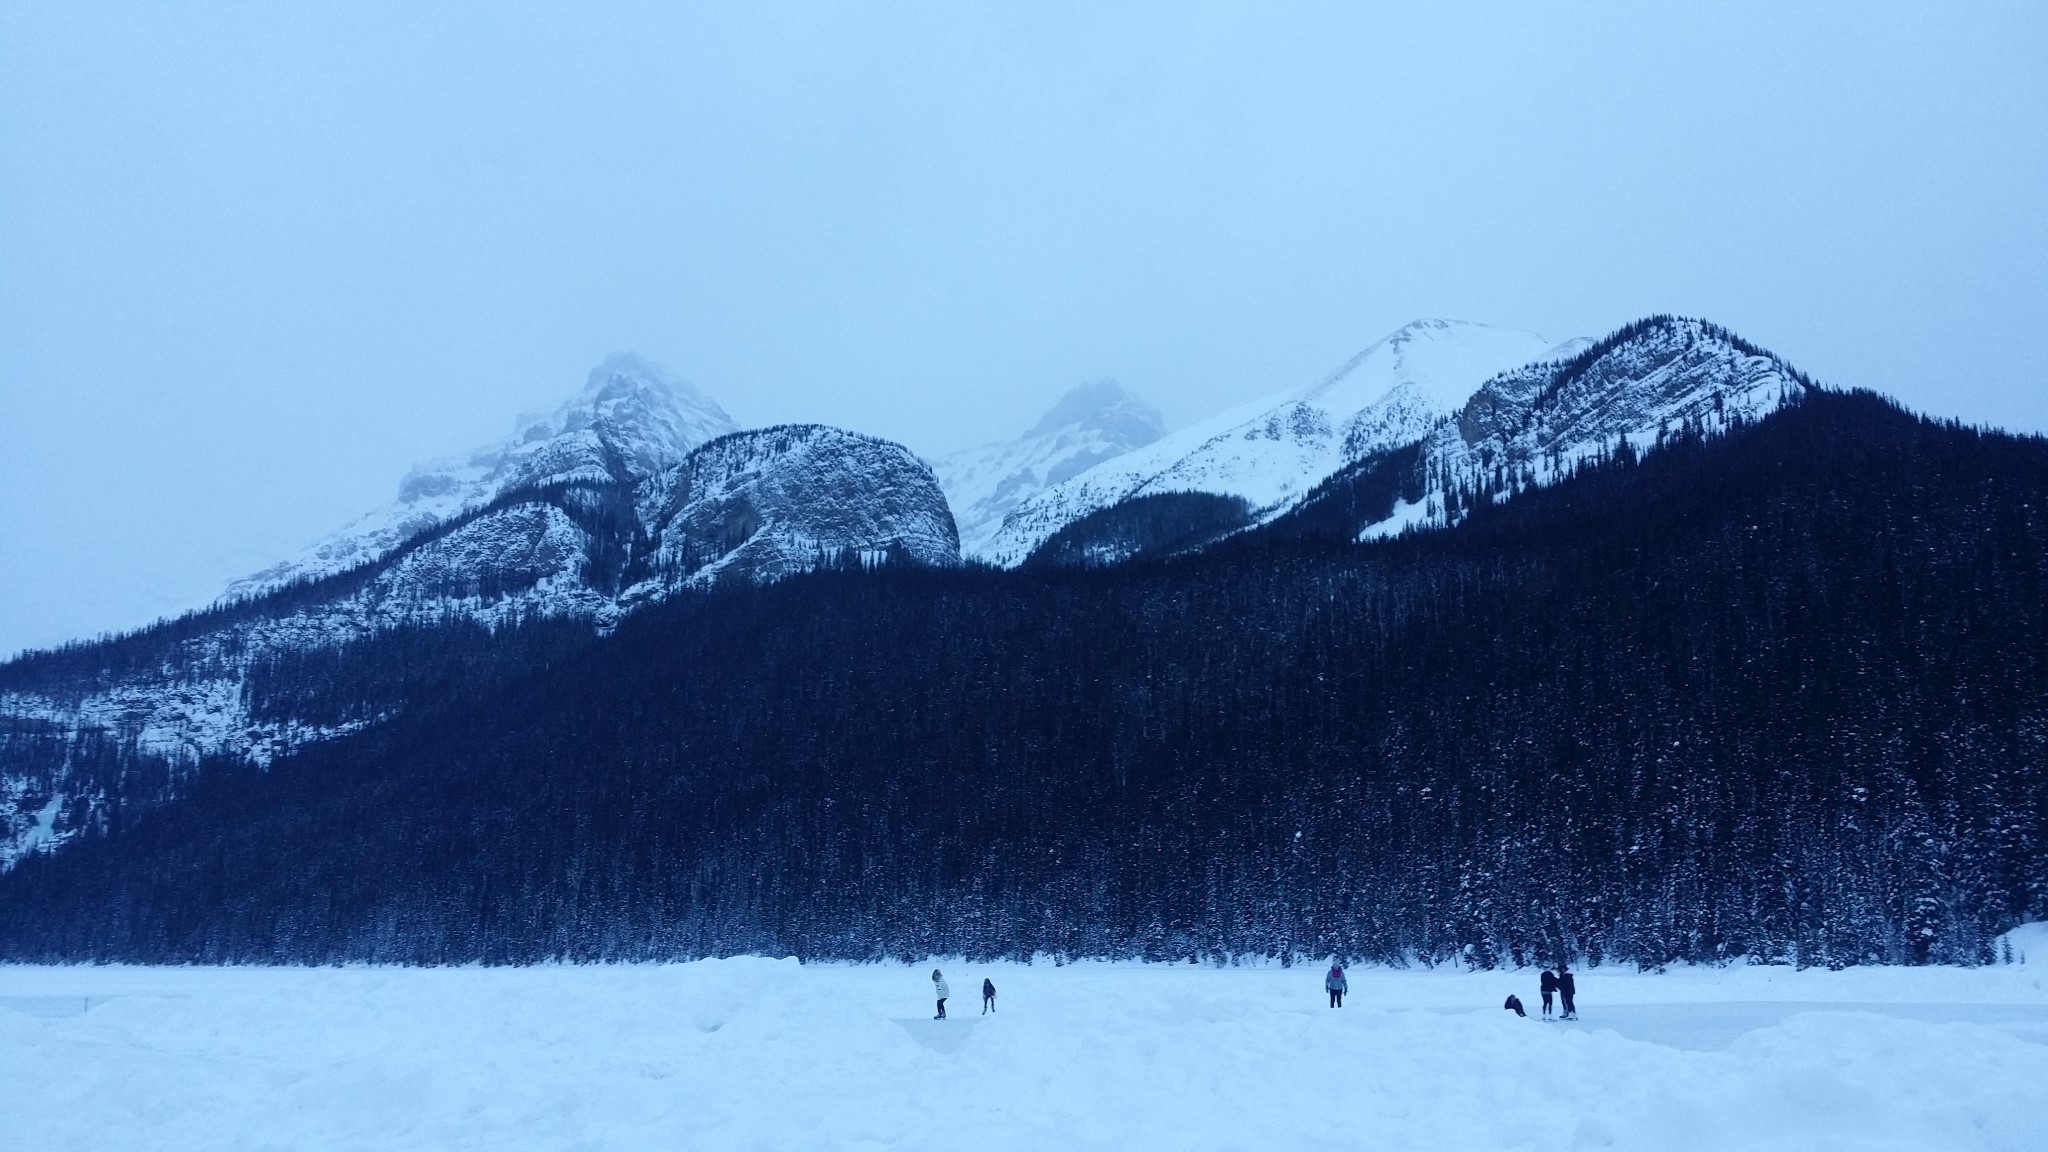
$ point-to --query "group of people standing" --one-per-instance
(1559, 985)
(1564, 986)
(988, 994)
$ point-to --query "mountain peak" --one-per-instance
(1273, 450)
(642, 400)
(631, 419)
(630, 374)
(1530, 426)
(1450, 356)
(1093, 422)
(1105, 406)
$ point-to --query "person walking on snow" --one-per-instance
(1336, 985)
(988, 996)
(1548, 986)
(1566, 989)
(939, 988)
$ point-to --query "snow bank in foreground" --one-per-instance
(755, 1053)
(2027, 944)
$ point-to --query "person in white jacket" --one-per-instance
(939, 987)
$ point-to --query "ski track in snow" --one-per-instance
(757, 1053)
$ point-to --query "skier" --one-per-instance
(1549, 986)
(1336, 985)
(1514, 1005)
(1566, 989)
(939, 987)
(988, 996)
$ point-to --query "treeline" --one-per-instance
(1780, 695)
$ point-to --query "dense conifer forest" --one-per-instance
(1780, 695)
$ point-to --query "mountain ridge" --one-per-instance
(1270, 450)
(1773, 693)
(582, 517)
(630, 419)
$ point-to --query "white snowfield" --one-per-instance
(770, 1054)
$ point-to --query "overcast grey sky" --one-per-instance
(255, 260)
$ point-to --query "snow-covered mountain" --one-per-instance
(1095, 422)
(775, 501)
(1272, 451)
(1534, 424)
(625, 496)
(632, 419)
(634, 489)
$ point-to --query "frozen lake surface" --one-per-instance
(756, 1053)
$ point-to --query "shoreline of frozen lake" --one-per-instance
(759, 1053)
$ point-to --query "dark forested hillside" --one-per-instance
(1158, 524)
(1783, 694)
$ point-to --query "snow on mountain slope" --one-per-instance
(1093, 423)
(770, 502)
(634, 488)
(1533, 425)
(631, 420)
(1272, 451)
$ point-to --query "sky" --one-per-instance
(257, 260)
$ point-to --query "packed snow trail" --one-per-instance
(753, 1053)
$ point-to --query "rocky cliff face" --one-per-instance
(1530, 426)
(764, 504)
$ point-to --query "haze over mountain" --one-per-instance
(1092, 423)
(632, 420)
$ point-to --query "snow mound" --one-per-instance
(2026, 944)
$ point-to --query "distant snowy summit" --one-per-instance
(632, 420)
(607, 498)
(1093, 423)
(1272, 451)
(1432, 431)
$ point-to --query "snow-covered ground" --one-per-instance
(755, 1053)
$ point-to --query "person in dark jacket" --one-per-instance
(1336, 985)
(1514, 1005)
(1566, 989)
(1548, 986)
(988, 996)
